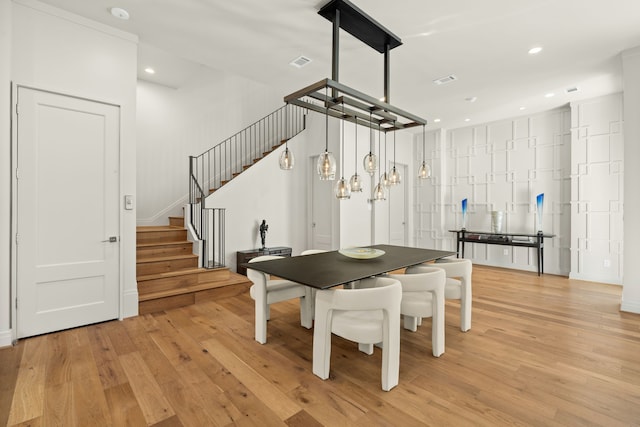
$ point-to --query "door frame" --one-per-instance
(14, 202)
(404, 171)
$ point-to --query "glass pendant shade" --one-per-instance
(378, 193)
(425, 171)
(342, 189)
(355, 183)
(326, 166)
(286, 159)
(384, 180)
(370, 163)
(394, 176)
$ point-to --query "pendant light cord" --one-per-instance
(424, 158)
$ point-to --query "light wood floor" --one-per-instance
(541, 351)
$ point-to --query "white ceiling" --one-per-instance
(484, 43)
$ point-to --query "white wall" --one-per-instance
(631, 227)
(176, 123)
(5, 172)
(499, 166)
(58, 51)
(597, 172)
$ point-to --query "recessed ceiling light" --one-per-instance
(436, 120)
(523, 108)
(467, 120)
(300, 61)
(535, 50)
(119, 13)
(549, 95)
(149, 70)
(471, 99)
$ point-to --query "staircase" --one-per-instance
(217, 166)
(167, 271)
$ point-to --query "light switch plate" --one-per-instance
(128, 202)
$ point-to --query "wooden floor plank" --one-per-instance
(28, 398)
(542, 351)
(150, 397)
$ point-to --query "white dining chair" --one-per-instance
(423, 296)
(312, 251)
(458, 286)
(367, 315)
(266, 291)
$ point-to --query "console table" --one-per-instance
(244, 256)
(507, 239)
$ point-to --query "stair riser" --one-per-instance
(155, 267)
(161, 304)
(167, 283)
(176, 221)
(177, 282)
(162, 250)
(161, 236)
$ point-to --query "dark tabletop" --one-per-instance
(327, 269)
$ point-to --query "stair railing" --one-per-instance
(221, 163)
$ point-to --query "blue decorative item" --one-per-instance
(539, 204)
(464, 214)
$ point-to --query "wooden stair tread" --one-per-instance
(176, 273)
(194, 288)
(157, 228)
(165, 258)
(170, 243)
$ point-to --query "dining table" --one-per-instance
(325, 270)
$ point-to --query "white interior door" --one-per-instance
(67, 210)
(398, 210)
(321, 209)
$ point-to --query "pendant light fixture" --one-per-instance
(425, 171)
(286, 158)
(384, 178)
(370, 161)
(326, 165)
(394, 176)
(342, 188)
(378, 191)
(355, 182)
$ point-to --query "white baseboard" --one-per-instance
(606, 280)
(6, 338)
(130, 308)
(630, 306)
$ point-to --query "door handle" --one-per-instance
(111, 239)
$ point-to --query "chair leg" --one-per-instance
(366, 348)
(411, 323)
(390, 354)
(437, 325)
(306, 310)
(465, 309)
(322, 345)
(262, 314)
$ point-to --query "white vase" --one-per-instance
(496, 221)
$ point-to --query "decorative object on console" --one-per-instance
(496, 221)
(263, 233)
(464, 214)
(539, 205)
